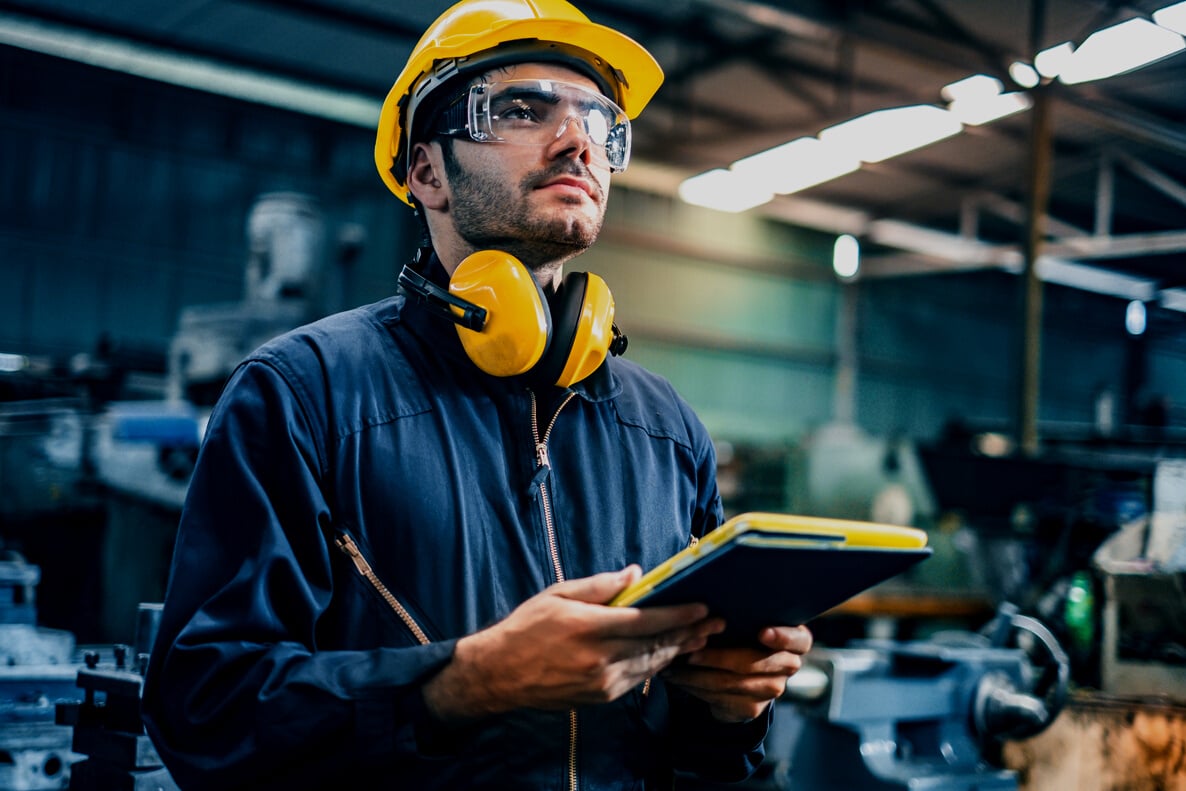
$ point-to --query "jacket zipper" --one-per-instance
(542, 462)
(347, 545)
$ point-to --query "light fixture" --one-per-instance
(723, 190)
(978, 87)
(975, 112)
(882, 134)
(1050, 62)
(1120, 48)
(1025, 75)
(1135, 318)
(11, 363)
(796, 165)
(846, 256)
(1172, 18)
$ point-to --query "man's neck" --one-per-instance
(548, 274)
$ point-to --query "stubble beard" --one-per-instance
(490, 215)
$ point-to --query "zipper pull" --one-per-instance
(347, 545)
(543, 467)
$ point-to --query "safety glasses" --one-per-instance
(536, 112)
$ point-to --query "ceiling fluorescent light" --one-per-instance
(795, 166)
(1118, 49)
(1051, 62)
(975, 112)
(978, 87)
(1025, 75)
(882, 134)
(1172, 18)
(723, 190)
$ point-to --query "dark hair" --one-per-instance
(429, 113)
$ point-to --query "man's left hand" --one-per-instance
(739, 683)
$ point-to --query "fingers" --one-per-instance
(796, 639)
(714, 685)
(731, 697)
(744, 662)
(739, 683)
(599, 588)
(790, 643)
(629, 621)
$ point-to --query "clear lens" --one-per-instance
(536, 112)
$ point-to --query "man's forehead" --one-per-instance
(541, 71)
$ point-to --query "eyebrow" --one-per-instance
(551, 97)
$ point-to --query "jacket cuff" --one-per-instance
(715, 750)
(431, 737)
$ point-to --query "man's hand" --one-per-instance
(563, 647)
(739, 683)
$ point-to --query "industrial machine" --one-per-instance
(36, 673)
(108, 732)
(283, 288)
(927, 714)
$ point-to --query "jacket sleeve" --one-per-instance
(701, 744)
(236, 696)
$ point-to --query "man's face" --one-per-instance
(541, 203)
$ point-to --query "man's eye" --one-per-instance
(518, 112)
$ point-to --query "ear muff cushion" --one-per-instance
(594, 332)
(566, 313)
(582, 328)
(518, 324)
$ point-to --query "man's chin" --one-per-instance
(577, 222)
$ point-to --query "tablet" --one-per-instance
(765, 569)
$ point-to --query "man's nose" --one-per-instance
(572, 136)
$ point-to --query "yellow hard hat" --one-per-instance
(483, 34)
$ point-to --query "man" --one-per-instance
(398, 548)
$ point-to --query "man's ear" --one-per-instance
(426, 176)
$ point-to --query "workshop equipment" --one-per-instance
(108, 729)
(283, 285)
(35, 674)
(1143, 571)
(927, 714)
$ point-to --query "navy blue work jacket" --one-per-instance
(364, 497)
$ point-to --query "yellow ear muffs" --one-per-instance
(582, 329)
(518, 324)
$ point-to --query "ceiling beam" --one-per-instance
(340, 15)
(1159, 181)
(166, 64)
(1093, 106)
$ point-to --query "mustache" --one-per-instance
(567, 167)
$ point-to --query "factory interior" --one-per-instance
(977, 330)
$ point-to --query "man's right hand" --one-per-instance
(564, 647)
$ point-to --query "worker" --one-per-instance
(407, 521)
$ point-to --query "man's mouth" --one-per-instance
(572, 182)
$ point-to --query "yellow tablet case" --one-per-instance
(766, 569)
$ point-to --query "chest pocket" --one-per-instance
(369, 594)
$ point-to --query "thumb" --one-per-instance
(599, 588)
